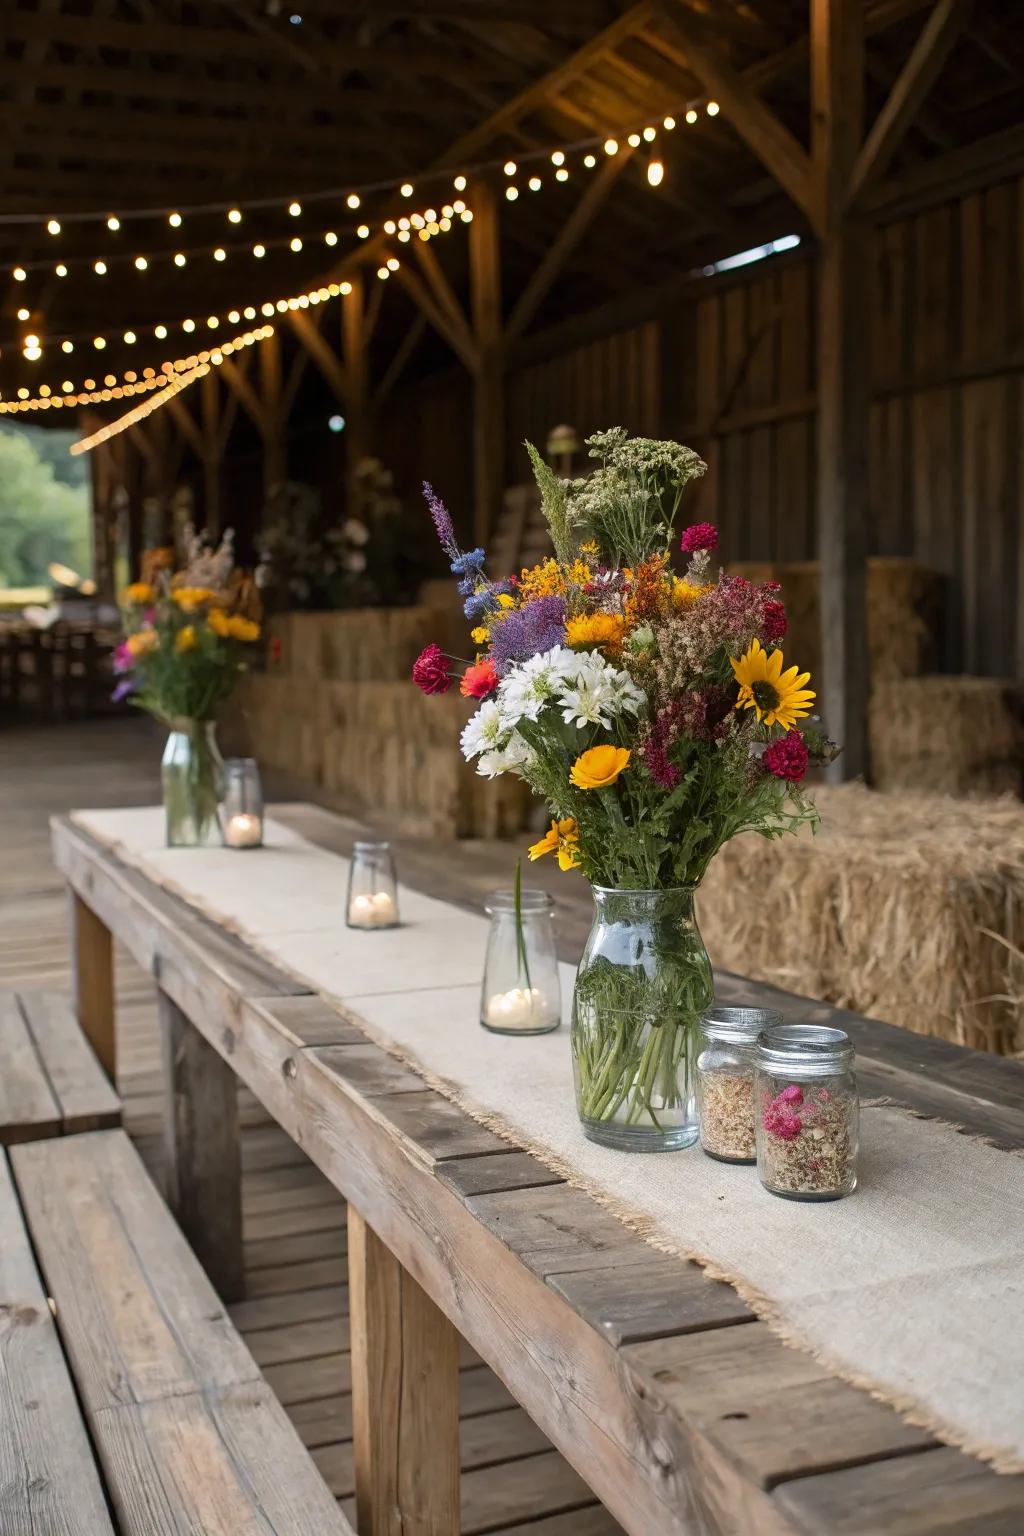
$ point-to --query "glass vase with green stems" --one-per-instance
(642, 985)
(191, 775)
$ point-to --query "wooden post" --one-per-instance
(837, 60)
(210, 406)
(92, 961)
(275, 455)
(203, 1168)
(489, 376)
(357, 376)
(405, 1396)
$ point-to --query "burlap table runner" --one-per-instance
(912, 1288)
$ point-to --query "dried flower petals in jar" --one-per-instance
(807, 1112)
(725, 1080)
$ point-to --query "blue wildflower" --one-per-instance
(471, 563)
(479, 604)
(467, 586)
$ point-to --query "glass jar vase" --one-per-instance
(242, 806)
(807, 1112)
(725, 1080)
(191, 775)
(642, 985)
(372, 887)
(521, 994)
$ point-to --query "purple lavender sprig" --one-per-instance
(442, 521)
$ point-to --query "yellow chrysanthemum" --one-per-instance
(777, 697)
(143, 643)
(189, 599)
(506, 600)
(232, 626)
(686, 593)
(480, 635)
(138, 593)
(599, 767)
(549, 579)
(562, 837)
(185, 639)
(596, 629)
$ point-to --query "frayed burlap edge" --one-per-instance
(648, 1228)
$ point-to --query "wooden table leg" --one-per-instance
(92, 960)
(202, 1152)
(405, 1396)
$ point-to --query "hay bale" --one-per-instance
(904, 906)
(948, 735)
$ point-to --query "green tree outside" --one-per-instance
(44, 506)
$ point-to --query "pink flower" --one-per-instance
(479, 681)
(699, 536)
(430, 670)
(775, 623)
(123, 659)
(794, 1094)
(787, 758)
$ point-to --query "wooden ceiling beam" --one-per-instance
(322, 353)
(904, 101)
(764, 133)
(438, 317)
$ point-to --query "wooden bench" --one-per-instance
(188, 1435)
(50, 1082)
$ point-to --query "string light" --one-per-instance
(141, 263)
(295, 209)
(19, 274)
(562, 174)
(60, 269)
(611, 146)
(669, 124)
(406, 189)
(459, 183)
(180, 258)
(633, 141)
(295, 243)
(363, 231)
(24, 314)
(510, 167)
(353, 200)
(691, 116)
(53, 227)
(650, 134)
(220, 254)
(114, 223)
(655, 172)
(174, 220)
(713, 109)
(558, 158)
(259, 251)
(511, 193)
(535, 183)
(590, 161)
(234, 216)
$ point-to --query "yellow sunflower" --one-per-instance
(596, 629)
(777, 697)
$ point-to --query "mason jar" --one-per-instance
(807, 1112)
(521, 994)
(191, 776)
(372, 887)
(242, 807)
(725, 1080)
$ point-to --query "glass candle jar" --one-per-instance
(725, 1080)
(241, 811)
(807, 1112)
(372, 887)
(521, 993)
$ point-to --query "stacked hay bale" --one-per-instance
(951, 735)
(909, 907)
(336, 707)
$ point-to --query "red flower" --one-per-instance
(479, 680)
(430, 670)
(787, 757)
(699, 536)
(775, 623)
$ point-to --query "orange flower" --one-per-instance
(185, 639)
(599, 767)
(562, 837)
(600, 629)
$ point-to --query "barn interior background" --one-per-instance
(278, 268)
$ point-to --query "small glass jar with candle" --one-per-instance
(725, 1080)
(241, 811)
(372, 887)
(521, 993)
(807, 1112)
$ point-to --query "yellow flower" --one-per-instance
(599, 767)
(189, 599)
(589, 547)
(143, 643)
(549, 579)
(480, 635)
(232, 626)
(686, 593)
(138, 593)
(219, 622)
(777, 697)
(185, 639)
(562, 837)
(596, 629)
(506, 600)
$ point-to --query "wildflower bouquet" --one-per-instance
(655, 715)
(184, 648)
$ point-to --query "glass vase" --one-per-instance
(191, 773)
(372, 887)
(520, 993)
(642, 985)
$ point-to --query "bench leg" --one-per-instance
(202, 1152)
(405, 1396)
(92, 960)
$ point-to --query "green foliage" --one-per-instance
(42, 518)
(555, 506)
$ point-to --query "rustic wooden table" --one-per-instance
(682, 1411)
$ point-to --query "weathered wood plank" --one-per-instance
(631, 1302)
(404, 1397)
(93, 972)
(28, 1107)
(48, 1478)
(202, 1161)
(86, 1098)
(487, 1175)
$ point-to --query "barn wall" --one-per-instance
(731, 370)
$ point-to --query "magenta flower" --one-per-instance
(787, 758)
(775, 623)
(123, 659)
(697, 537)
(430, 670)
(793, 1094)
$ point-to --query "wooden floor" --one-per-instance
(295, 1316)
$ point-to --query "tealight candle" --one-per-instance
(243, 831)
(372, 888)
(520, 993)
(519, 1008)
(376, 911)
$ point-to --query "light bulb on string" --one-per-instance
(141, 263)
(712, 109)
(655, 172)
(180, 258)
(174, 220)
(633, 141)
(393, 263)
(363, 231)
(259, 250)
(19, 274)
(160, 332)
(650, 134)
(406, 189)
(234, 216)
(220, 254)
(562, 174)
(459, 183)
(668, 124)
(353, 200)
(510, 167)
(295, 243)
(535, 183)
(129, 337)
(60, 269)
(99, 342)
(590, 161)
(557, 158)
(24, 314)
(611, 146)
(114, 223)
(100, 268)
(330, 238)
(295, 209)
(511, 193)
(53, 227)
(691, 115)
(67, 346)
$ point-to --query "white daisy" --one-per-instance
(485, 731)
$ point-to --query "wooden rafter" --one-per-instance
(322, 353)
(438, 316)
